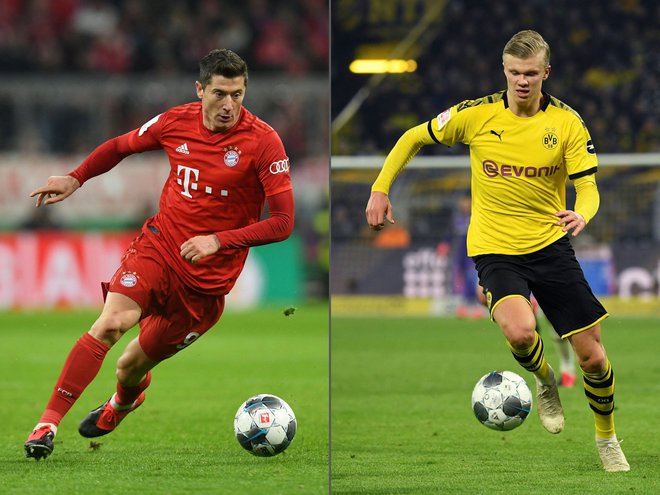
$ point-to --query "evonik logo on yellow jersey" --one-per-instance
(492, 169)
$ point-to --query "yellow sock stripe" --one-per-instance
(599, 389)
(531, 358)
(601, 405)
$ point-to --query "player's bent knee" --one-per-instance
(521, 342)
(595, 362)
(592, 359)
(109, 328)
(590, 352)
(519, 336)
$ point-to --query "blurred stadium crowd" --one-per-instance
(74, 73)
(164, 36)
(160, 40)
(605, 59)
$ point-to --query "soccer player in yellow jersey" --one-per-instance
(524, 144)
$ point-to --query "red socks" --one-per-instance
(80, 368)
(126, 395)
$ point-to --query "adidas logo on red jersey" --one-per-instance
(183, 149)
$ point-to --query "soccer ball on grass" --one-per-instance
(265, 425)
(501, 400)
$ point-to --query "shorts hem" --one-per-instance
(587, 327)
(504, 299)
(107, 289)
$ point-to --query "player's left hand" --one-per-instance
(198, 247)
(379, 209)
(571, 220)
(58, 188)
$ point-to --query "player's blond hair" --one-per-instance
(528, 43)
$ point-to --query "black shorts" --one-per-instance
(554, 275)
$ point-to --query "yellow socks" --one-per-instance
(533, 360)
(599, 389)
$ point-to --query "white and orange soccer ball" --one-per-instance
(501, 400)
(265, 425)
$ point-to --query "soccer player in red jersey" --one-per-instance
(225, 163)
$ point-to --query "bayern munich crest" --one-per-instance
(232, 156)
(128, 279)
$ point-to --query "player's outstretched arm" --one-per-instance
(58, 188)
(102, 159)
(378, 209)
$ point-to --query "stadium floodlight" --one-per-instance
(382, 66)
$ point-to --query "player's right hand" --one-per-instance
(57, 188)
(378, 210)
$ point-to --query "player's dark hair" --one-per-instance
(221, 62)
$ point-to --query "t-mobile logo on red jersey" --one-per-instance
(186, 182)
(189, 181)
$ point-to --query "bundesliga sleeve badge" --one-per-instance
(443, 118)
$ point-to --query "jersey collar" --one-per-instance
(545, 101)
(207, 133)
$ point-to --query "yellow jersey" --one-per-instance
(519, 168)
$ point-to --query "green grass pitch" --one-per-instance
(181, 440)
(402, 421)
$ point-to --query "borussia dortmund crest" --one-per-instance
(550, 140)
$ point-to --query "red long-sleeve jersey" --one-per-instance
(218, 183)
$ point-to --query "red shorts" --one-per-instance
(173, 315)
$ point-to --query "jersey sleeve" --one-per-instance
(103, 159)
(587, 199)
(273, 165)
(109, 154)
(580, 154)
(448, 127)
(404, 150)
(277, 227)
(147, 137)
(451, 126)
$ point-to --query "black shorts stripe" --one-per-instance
(584, 173)
(430, 128)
